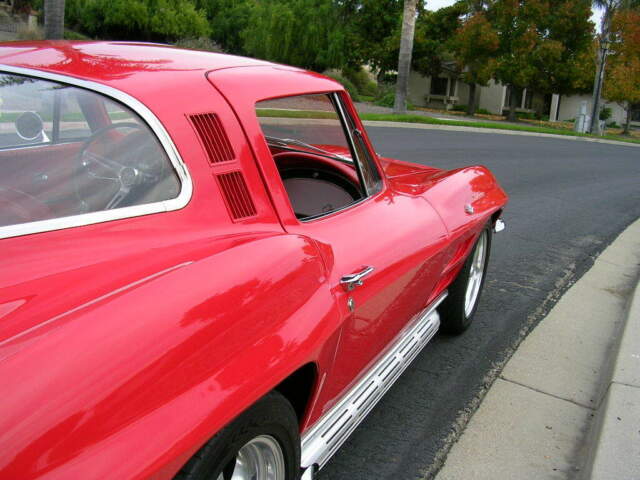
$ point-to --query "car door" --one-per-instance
(391, 240)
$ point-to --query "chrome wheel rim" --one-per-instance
(475, 274)
(259, 459)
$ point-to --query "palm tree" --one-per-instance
(404, 58)
(54, 19)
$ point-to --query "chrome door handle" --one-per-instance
(353, 280)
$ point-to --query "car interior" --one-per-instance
(312, 153)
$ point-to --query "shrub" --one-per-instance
(346, 83)
(463, 108)
(526, 115)
(386, 100)
(361, 80)
(72, 35)
(389, 98)
(613, 125)
(605, 113)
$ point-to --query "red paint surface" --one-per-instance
(125, 345)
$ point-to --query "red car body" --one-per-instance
(126, 344)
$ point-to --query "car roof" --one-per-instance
(98, 61)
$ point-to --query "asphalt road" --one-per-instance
(568, 201)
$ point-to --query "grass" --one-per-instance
(386, 117)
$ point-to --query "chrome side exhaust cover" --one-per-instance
(322, 440)
(499, 226)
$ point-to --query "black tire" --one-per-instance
(454, 318)
(271, 416)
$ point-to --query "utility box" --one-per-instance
(583, 121)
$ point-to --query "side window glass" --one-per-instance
(85, 153)
(26, 114)
(72, 122)
(311, 147)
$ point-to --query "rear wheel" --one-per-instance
(461, 304)
(263, 443)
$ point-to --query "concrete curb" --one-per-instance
(615, 435)
(454, 128)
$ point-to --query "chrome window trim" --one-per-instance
(186, 184)
(352, 146)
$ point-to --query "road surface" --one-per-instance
(568, 201)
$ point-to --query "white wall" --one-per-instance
(418, 87)
(462, 93)
(570, 105)
(492, 97)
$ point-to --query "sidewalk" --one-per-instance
(567, 404)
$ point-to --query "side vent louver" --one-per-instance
(236, 195)
(213, 137)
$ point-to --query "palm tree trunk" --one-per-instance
(54, 19)
(471, 104)
(404, 58)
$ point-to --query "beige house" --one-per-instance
(447, 90)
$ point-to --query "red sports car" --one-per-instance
(206, 271)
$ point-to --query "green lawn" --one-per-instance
(387, 117)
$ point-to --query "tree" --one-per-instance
(54, 19)
(432, 42)
(474, 45)
(305, 33)
(623, 71)
(404, 57)
(609, 7)
(372, 32)
(227, 20)
(540, 45)
(149, 20)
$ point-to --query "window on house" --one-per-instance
(438, 86)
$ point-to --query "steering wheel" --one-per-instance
(116, 165)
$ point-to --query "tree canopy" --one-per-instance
(544, 45)
(151, 20)
(622, 83)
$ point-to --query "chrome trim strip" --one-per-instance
(499, 226)
(119, 213)
(354, 153)
(324, 438)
